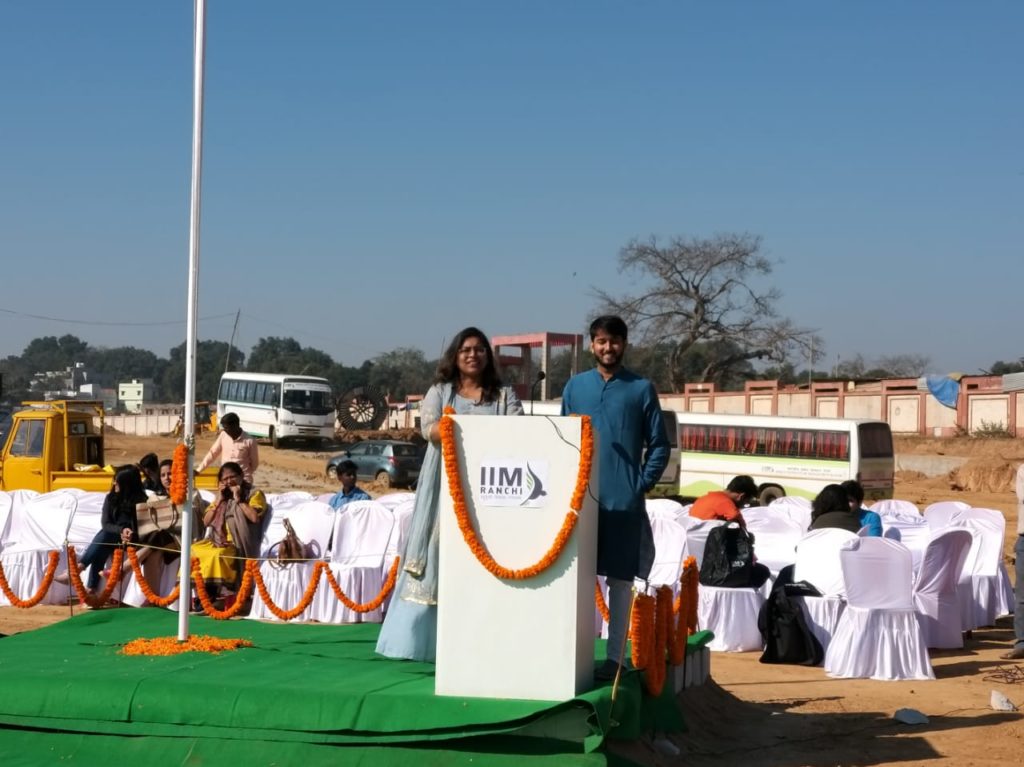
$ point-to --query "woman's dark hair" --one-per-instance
(149, 462)
(236, 468)
(166, 462)
(831, 498)
(854, 491)
(448, 367)
(129, 487)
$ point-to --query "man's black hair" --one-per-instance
(610, 324)
(744, 485)
(347, 467)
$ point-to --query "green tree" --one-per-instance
(1000, 368)
(210, 357)
(286, 355)
(401, 372)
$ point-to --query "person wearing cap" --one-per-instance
(726, 504)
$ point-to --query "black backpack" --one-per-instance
(728, 557)
(787, 638)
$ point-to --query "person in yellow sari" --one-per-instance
(234, 530)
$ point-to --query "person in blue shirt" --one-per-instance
(868, 519)
(349, 491)
(626, 415)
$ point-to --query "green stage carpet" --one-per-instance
(303, 693)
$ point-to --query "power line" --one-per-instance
(104, 322)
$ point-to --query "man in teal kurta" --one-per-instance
(626, 414)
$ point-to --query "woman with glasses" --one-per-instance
(467, 380)
(234, 528)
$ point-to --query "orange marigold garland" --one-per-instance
(251, 566)
(179, 474)
(642, 630)
(307, 596)
(76, 578)
(140, 578)
(32, 601)
(171, 645)
(655, 671)
(469, 534)
(690, 563)
(374, 603)
(602, 606)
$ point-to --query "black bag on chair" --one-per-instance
(728, 558)
(787, 637)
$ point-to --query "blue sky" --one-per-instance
(381, 175)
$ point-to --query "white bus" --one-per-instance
(279, 407)
(785, 455)
(669, 477)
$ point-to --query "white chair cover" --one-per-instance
(895, 507)
(731, 614)
(984, 590)
(325, 497)
(36, 525)
(670, 536)
(396, 543)
(902, 522)
(817, 562)
(879, 635)
(313, 523)
(362, 532)
(664, 507)
(940, 515)
(394, 500)
(697, 536)
(935, 592)
(795, 507)
(775, 539)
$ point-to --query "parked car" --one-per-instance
(389, 461)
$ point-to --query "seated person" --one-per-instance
(234, 529)
(831, 509)
(349, 491)
(149, 465)
(868, 519)
(726, 504)
(117, 525)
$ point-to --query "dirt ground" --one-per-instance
(787, 716)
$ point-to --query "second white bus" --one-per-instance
(279, 407)
(785, 455)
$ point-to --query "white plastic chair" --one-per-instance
(313, 522)
(940, 515)
(985, 591)
(817, 562)
(935, 592)
(775, 539)
(697, 536)
(731, 614)
(795, 507)
(394, 500)
(670, 546)
(664, 508)
(362, 531)
(879, 635)
(396, 543)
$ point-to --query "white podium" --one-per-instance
(530, 639)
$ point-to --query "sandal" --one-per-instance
(1017, 653)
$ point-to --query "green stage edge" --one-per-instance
(306, 693)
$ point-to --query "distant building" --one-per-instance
(133, 395)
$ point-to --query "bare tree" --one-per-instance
(702, 290)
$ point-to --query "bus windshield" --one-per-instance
(308, 401)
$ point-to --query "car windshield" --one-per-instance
(308, 402)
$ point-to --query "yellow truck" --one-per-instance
(59, 444)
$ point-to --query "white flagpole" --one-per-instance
(188, 432)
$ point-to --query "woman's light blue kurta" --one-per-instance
(410, 626)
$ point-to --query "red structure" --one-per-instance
(515, 356)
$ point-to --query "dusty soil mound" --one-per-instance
(985, 475)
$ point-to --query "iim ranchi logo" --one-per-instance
(534, 487)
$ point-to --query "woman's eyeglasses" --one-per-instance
(467, 351)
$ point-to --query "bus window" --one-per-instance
(875, 441)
